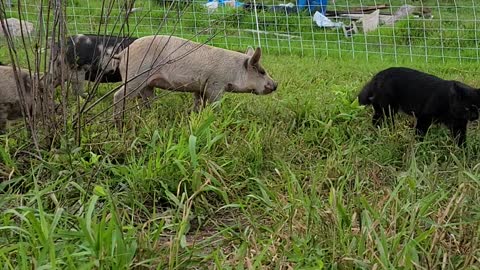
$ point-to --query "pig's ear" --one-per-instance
(458, 91)
(255, 59)
(249, 51)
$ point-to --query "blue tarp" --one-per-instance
(223, 2)
(313, 5)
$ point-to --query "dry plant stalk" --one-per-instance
(54, 122)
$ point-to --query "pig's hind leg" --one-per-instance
(78, 82)
(119, 106)
(132, 89)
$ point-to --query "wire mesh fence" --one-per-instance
(422, 30)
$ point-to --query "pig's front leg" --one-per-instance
(212, 92)
(147, 94)
(199, 102)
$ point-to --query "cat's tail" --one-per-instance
(366, 95)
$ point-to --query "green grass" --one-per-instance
(298, 179)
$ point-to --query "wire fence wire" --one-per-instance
(437, 29)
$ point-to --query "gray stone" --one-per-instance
(15, 30)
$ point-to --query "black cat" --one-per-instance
(428, 98)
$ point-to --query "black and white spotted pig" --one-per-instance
(85, 58)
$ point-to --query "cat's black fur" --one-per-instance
(428, 98)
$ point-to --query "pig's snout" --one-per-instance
(271, 86)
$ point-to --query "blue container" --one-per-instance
(313, 5)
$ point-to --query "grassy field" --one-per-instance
(298, 179)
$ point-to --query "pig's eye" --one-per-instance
(260, 70)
